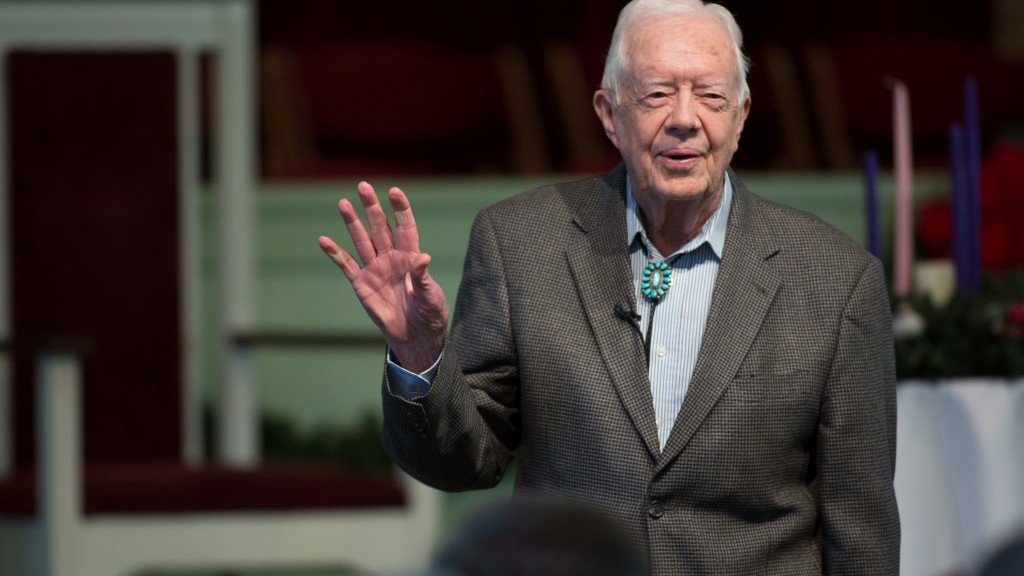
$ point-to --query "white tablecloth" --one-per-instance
(959, 472)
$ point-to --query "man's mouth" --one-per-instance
(681, 154)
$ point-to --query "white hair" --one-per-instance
(639, 10)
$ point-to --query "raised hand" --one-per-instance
(393, 284)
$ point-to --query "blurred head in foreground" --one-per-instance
(538, 538)
(1008, 560)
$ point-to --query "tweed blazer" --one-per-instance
(782, 458)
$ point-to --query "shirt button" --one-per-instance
(656, 509)
(657, 423)
(661, 351)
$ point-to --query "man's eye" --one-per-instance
(657, 95)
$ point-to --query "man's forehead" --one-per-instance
(695, 67)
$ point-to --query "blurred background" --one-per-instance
(817, 80)
(199, 377)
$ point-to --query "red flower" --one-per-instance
(1015, 319)
(1002, 203)
(935, 229)
(1002, 180)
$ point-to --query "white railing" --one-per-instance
(62, 541)
(187, 27)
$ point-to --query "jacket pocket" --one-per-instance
(789, 387)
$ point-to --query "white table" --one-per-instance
(959, 471)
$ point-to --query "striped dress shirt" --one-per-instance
(682, 312)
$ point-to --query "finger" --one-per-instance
(380, 230)
(419, 278)
(344, 261)
(407, 238)
(360, 238)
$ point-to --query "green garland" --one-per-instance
(981, 335)
(353, 446)
(356, 445)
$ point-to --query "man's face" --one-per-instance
(679, 116)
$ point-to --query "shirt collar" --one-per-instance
(713, 231)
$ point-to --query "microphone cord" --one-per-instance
(634, 320)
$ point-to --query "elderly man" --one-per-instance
(714, 370)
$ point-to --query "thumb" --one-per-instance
(421, 280)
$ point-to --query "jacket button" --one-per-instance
(655, 509)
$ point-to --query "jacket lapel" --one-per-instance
(744, 291)
(599, 261)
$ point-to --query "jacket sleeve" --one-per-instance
(464, 432)
(856, 449)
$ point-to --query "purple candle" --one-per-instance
(871, 202)
(973, 179)
(959, 208)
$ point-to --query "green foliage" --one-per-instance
(356, 445)
(981, 335)
(353, 446)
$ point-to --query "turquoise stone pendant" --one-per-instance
(656, 280)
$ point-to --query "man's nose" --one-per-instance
(683, 114)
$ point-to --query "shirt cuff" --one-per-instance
(409, 385)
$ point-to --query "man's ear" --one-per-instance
(744, 111)
(605, 109)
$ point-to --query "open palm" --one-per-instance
(393, 284)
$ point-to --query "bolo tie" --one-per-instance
(654, 284)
